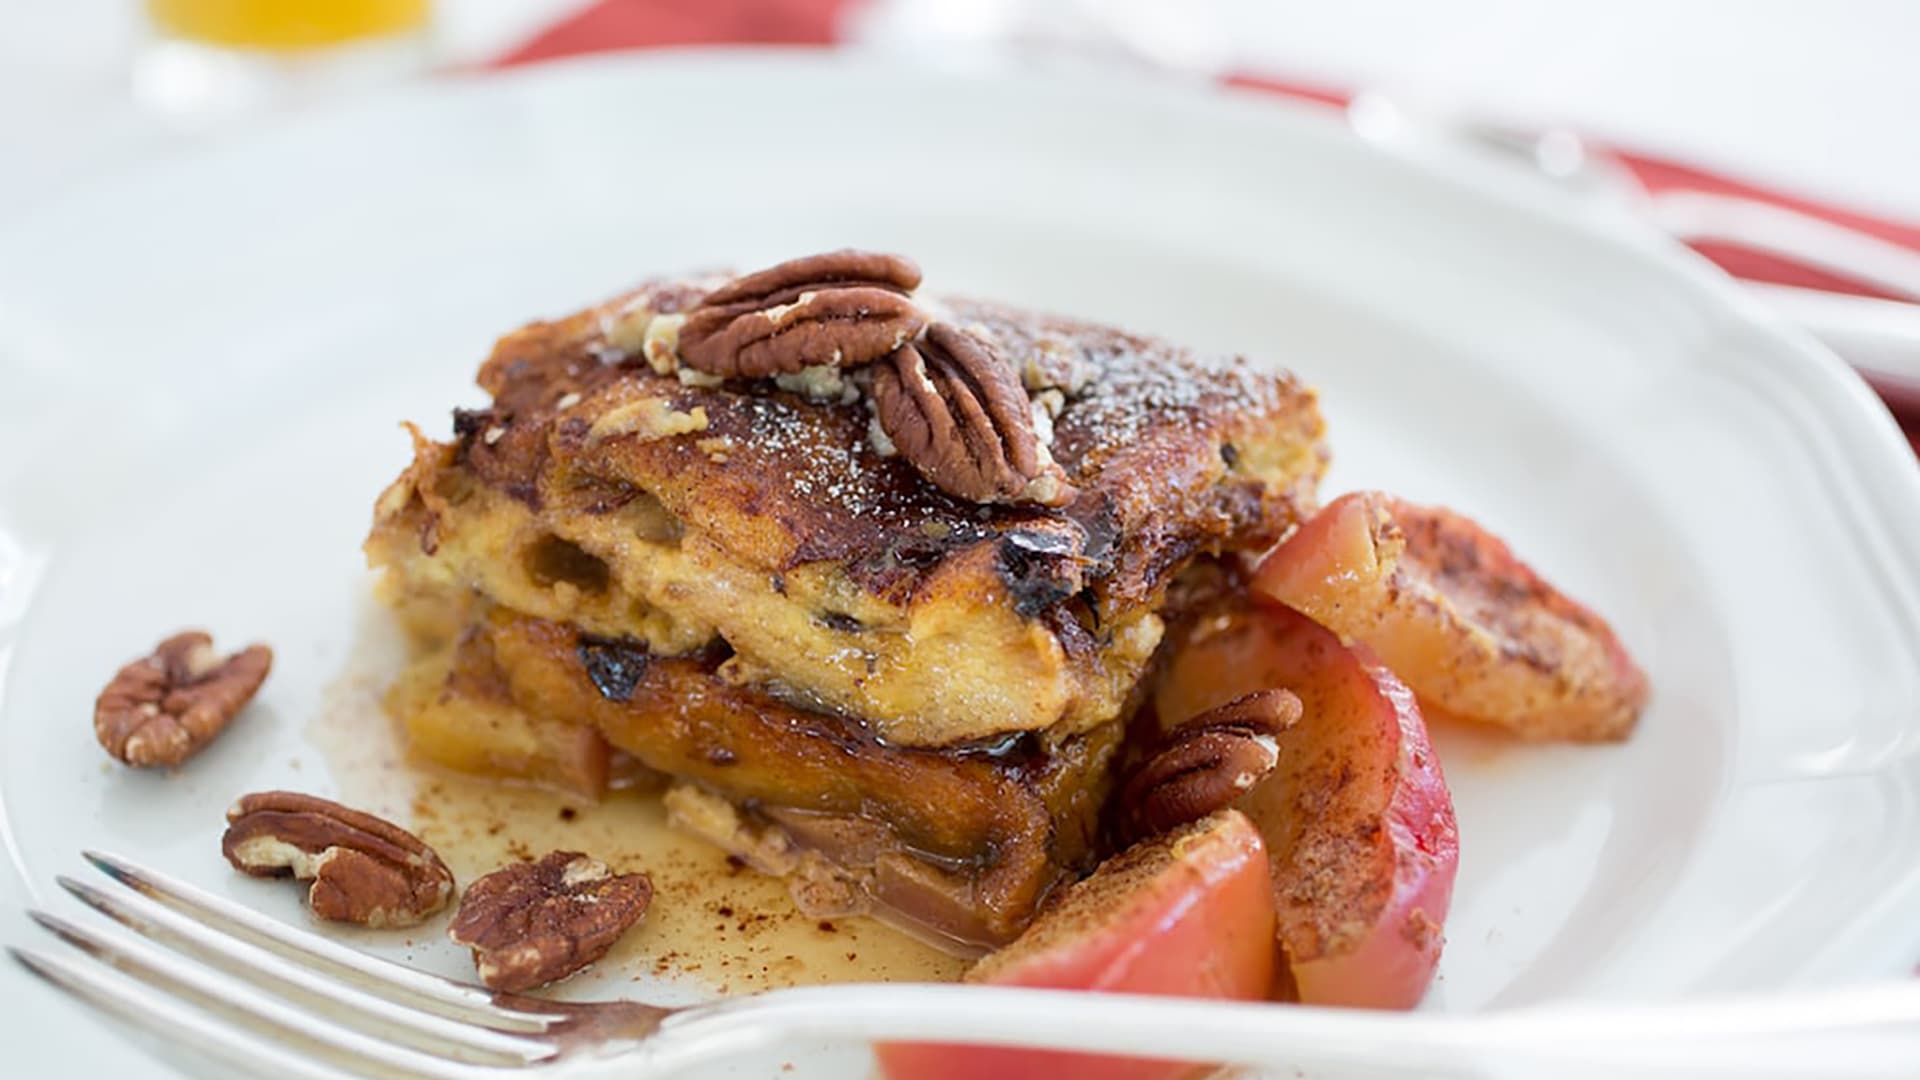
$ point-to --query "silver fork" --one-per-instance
(228, 982)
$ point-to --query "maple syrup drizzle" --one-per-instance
(714, 926)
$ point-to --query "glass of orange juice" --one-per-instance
(209, 57)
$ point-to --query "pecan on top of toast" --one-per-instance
(942, 397)
(960, 416)
(837, 309)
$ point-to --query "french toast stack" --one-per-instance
(875, 578)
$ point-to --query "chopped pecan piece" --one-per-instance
(959, 415)
(1207, 763)
(162, 709)
(364, 870)
(530, 924)
(840, 309)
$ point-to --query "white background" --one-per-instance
(1819, 97)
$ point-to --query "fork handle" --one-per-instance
(1864, 1031)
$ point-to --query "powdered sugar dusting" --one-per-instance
(1133, 418)
(820, 469)
(1129, 388)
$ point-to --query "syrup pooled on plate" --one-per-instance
(715, 926)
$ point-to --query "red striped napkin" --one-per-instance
(611, 25)
(627, 24)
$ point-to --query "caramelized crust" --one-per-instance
(1171, 450)
(967, 841)
(595, 490)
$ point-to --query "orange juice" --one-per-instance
(285, 24)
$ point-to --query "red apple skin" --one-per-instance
(1358, 821)
(1188, 914)
(1394, 964)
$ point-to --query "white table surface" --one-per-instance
(1819, 98)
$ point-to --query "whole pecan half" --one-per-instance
(530, 924)
(364, 870)
(960, 416)
(163, 708)
(839, 309)
(1206, 763)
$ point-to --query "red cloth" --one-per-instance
(1660, 176)
(631, 24)
(611, 25)
(1657, 175)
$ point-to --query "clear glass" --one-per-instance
(211, 58)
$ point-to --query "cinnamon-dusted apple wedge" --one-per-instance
(1448, 607)
(1188, 914)
(1356, 815)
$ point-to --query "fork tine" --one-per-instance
(249, 961)
(174, 1020)
(467, 1000)
(213, 994)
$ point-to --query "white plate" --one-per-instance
(203, 365)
